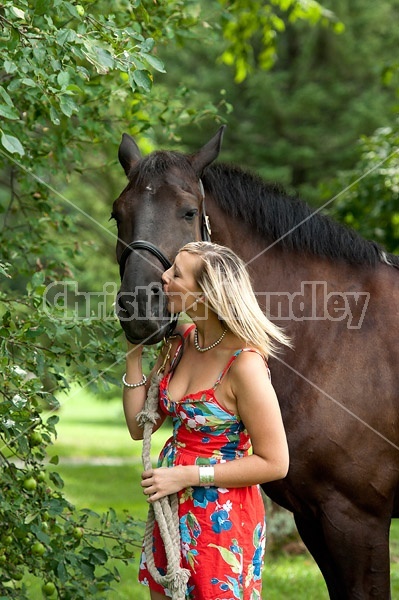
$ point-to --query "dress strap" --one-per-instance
(232, 359)
(179, 345)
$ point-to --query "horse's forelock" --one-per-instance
(158, 163)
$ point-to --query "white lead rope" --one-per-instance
(163, 511)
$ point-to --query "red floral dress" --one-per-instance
(222, 530)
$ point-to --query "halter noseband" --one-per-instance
(142, 245)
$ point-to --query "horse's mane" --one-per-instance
(268, 209)
(278, 216)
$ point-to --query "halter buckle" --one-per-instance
(208, 225)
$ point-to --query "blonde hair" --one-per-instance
(225, 281)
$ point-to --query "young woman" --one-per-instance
(222, 402)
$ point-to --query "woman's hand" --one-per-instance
(161, 482)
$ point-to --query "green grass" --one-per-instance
(101, 467)
(91, 428)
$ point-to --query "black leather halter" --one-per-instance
(142, 245)
(165, 262)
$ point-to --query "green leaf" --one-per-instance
(138, 63)
(90, 513)
(62, 572)
(14, 85)
(12, 144)
(147, 45)
(98, 556)
(71, 9)
(18, 12)
(8, 113)
(142, 79)
(155, 62)
(54, 116)
(3, 270)
(29, 82)
(67, 105)
(65, 35)
(40, 54)
(37, 278)
(83, 72)
(56, 479)
(33, 332)
(30, 517)
(10, 67)
(63, 79)
(105, 59)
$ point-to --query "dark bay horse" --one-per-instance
(337, 296)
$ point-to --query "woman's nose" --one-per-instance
(164, 277)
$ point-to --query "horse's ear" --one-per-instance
(128, 153)
(208, 153)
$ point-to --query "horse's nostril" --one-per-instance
(120, 302)
(156, 289)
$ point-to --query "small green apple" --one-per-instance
(78, 533)
(38, 549)
(48, 588)
(35, 438)
(30, 484)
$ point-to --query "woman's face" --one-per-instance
(180, 285)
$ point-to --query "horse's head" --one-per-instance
(161, 209)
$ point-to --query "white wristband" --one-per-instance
(206, 475)
(133, 385)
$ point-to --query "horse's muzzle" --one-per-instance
(143, 315)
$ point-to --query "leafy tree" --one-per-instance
(71, 74)
(299, 121)
(369, 202)
(252, 27)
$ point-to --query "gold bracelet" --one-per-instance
(206, 476)
(133, 385)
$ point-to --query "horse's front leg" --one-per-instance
(351, 548)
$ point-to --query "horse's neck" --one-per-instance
(280, 269)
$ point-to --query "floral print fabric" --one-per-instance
(222, 530)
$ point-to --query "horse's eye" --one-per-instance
(191, 214)
(114, 217)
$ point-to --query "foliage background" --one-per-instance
(309, 94)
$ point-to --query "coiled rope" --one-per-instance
(163, 511)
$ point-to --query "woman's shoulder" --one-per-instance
(249, 363)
